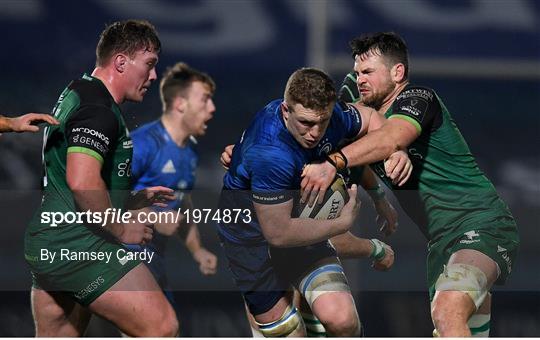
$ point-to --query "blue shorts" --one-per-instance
(264, 274)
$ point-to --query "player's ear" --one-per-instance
(285, 111)
(120, 61)
(398, 73)
(179, 103)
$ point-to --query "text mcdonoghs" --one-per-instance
(113, 215)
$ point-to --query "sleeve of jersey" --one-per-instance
(349, 118)
(92, 130)
(272, 171)
(418, 106)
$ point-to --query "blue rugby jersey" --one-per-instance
(267, 163)
(159, 161)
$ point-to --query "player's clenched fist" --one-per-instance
(207, 261)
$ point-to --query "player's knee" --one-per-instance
(287, 324)
(449, 312)
(170, 325)
(460, 290)
(340, 320)
(463, 278)
(328, 294)
(160, 324)
(450, 305)
(343, 325)
(50, 318)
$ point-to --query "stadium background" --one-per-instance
(482, 57)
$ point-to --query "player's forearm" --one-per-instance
(371, 186)
(93, 196)
(5, 124)
(193, 239)
(368, 180)
(305, 231)
(373, 147)
(349, 246)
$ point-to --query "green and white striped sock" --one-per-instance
(314, 327)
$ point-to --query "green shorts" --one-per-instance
(499, 241)
(87, 261)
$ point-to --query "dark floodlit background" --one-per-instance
(482, 57)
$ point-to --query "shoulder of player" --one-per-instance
(358, 107)
(148, 134)
(272, 105)
(266, 113)
(359, 111)
(92, 92)
(94, 115)
(268, 128)
(341, 108)
(269, 155)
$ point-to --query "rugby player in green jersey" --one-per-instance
(472, 235)
(25, 123)
(87, 160)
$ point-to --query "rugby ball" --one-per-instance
(335, 198)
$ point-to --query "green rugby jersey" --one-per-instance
(91, 123)
(447, 191)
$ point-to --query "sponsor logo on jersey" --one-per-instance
(422, 93)
(168, 168)
(124, 168)
(81, 294)
(410, 109)
(92, 133)
(325, 148)
(128, 144)
(505, 257)
(352, 110)
(84, 140)
(266, 198)
(472, 237)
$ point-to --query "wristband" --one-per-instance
(338, 160)
(378, 251)
(376, 193)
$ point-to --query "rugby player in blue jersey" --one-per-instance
(165, 153)
(268, 250)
